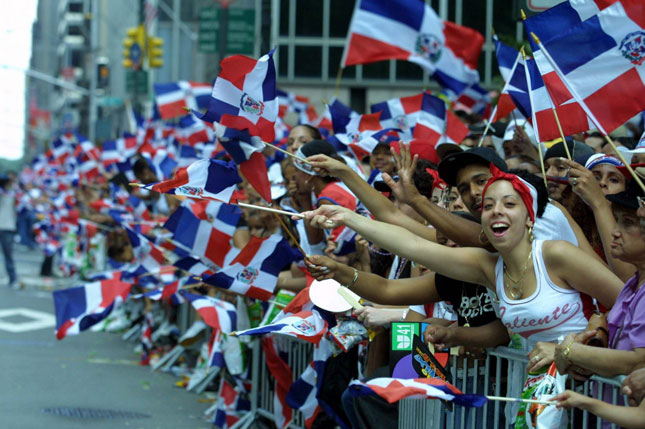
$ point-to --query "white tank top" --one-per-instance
(549, 313)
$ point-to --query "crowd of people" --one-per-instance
(483, 240)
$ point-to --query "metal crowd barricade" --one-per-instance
(502, 373)
(299, 356)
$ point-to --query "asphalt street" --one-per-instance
(43, 377)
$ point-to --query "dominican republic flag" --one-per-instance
(162, 163)
(61, 148)
(254, 270)
(476, 99)
(146, 339)
(361, 133)
(215, 353)
(194, 266)
(216, 313)
(191, 130)
(138, 208)
(246, 151)
(304, 391)
(507, 60)
(290, 102)
(600, 61)
(395, 389)
(231, 405)
(572, 117)
(403, 113)
(306, 325)
(206, 178)
(171, 98)
(210, 240)
(79, 308)
(244, 96)
(410, 30)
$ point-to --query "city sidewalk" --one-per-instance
(93, 370)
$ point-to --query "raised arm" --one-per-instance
(380, 207)
(411, 291)
(588, 189)
(460, 230)
(568, 264)
(467, 264)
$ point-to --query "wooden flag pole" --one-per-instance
(557, 121)
(338, 78)
(287, 153)
(528, 401)
(288, 231)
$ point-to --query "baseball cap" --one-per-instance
(449, 167)
(629, 197)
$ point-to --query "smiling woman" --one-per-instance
(15, 38)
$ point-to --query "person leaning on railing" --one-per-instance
(626, 319)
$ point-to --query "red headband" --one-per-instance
(527, 192)
(437, 182)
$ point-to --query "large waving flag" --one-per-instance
(244, 96)
(216, 313)
(254, 271)
(210, 240)
(206, 178)
(600, 61)
(410, 30)
(507, 60)
(79, 308)
(395, 389)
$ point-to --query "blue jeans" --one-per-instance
(6, 241)
(25, 228)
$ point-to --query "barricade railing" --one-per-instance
(299, 355)
(501, 373)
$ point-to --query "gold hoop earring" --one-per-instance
(482, 237)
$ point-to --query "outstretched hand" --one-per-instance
(321, 267)
(404, 190)
(326, 166)
(327, 216)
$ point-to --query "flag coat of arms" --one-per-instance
(244, 96)
(411, 30)
(254, 270)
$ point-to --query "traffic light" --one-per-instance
(134, 47)
(155, 52)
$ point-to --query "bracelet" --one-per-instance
(349, 286)
(567, 350)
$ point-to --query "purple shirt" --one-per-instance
(626, 318)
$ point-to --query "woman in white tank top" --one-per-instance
(539, 284)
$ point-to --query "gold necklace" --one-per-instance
(515, 288)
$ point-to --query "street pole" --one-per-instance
(94, 33)
(175, 42)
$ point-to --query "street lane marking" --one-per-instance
(40, 320)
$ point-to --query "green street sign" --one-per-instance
(241, 31)
(240, 35)
(136, 81)
(208, 30)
